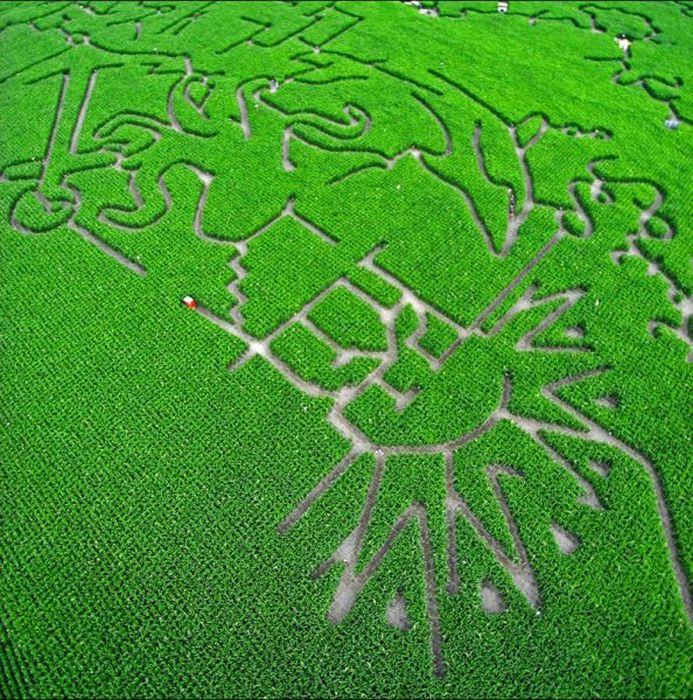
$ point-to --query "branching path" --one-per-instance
(520, 572)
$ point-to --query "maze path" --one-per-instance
(50, 190)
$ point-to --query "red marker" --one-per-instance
(190, 302)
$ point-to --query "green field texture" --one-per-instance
(427, 428)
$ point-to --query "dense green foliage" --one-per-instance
(441, 351)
